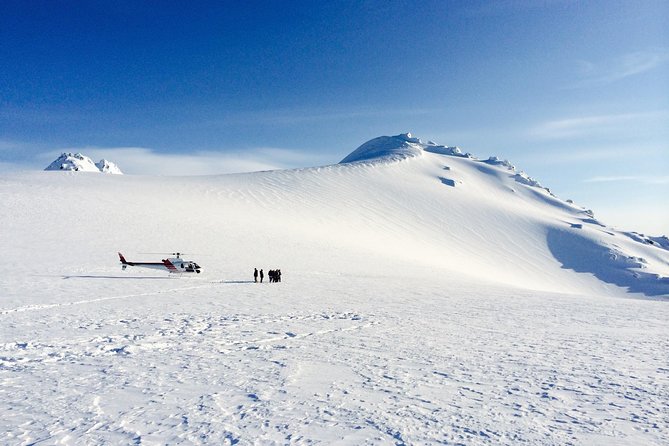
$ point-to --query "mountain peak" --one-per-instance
(401, 146)
(106, 166)
(392, 147)
(81, 163)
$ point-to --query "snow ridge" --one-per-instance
(404, 146)
(396, 147)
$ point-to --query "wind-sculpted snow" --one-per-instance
(386, 147)
(398, 147)
(427, 298)
(642, 277)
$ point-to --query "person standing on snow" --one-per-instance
(255, 275)
(261, 275)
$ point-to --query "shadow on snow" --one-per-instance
(583, 255)
(118, 277)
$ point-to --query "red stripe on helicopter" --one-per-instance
(169, 265)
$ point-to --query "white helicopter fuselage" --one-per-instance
(175, 265)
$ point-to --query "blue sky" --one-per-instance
(576, 93)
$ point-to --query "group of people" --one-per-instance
(274, 275)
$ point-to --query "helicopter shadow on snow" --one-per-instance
(89, 276)
(170, 277)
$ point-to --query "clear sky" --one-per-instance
(576, 93)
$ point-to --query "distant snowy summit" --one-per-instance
(81, 163)
(106, 166)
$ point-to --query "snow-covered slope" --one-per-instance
(81, 163)
(427, 297)
(393, 198)
(489, 215)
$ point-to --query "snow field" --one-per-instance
(378, 360)
(426, 299)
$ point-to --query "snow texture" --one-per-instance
(80, 163)
(427, 298)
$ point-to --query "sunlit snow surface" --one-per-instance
(425, 300)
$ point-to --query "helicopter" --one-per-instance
(175, 265)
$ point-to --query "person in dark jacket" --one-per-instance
(255, 275)
(261, 275)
